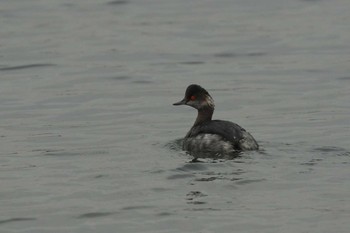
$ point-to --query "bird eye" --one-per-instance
(193, 97)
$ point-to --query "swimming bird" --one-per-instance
(212, 138)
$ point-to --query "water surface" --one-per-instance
(89, 138)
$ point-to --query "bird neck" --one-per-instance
(204, 114)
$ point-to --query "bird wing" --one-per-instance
(228, 130)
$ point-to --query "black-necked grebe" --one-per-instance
(214, 137)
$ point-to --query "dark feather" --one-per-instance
(227, 129)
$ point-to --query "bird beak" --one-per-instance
(182, 102)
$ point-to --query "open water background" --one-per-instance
(89, 140)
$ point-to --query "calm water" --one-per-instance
(90, 141)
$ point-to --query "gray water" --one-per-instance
(89, 139)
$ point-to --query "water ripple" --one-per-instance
(16, 220)
(6, 68)
(95, 214)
